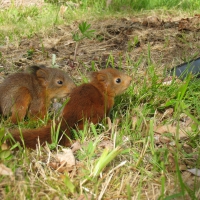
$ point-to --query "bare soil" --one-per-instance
(170, 42)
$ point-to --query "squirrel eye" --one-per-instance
(60, 82)
(118, 80)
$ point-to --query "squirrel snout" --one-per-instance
(70, 88)
(129, 79)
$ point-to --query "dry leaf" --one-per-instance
(66, 157)
(5, 170)
(134, 122)
(182, 167)
(188, 178)
(65, 161)
(151, 21)
(106, 144)
(167, 113)
(60, 167)
(156, 138)
(62, 10)
(173, 130)
(76, 146)
(109, 124)
(164, 140)
(185, 119)
(188, 149)
(168, 80)
(50, 43)
(172, 166)
(69, 42)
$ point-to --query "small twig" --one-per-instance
(75, 51)
(105, 187)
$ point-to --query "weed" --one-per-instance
(84, 32)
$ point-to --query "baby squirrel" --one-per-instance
(30, 93)
(90, 101)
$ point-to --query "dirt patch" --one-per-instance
(168, 43)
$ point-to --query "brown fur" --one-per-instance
(31, 93)
(91, 101)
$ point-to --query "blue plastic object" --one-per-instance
(191, 67)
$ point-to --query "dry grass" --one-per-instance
(154, 159)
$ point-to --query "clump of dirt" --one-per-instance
(168, 42)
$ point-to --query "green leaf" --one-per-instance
(105, 158)
(69, 184)
(2, 134)
(173, 196)
(171, 102)
(5, 154)
(84, 29)
(76, 37)
(93, 129)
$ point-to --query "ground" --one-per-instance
(170, 41)
(166, 40)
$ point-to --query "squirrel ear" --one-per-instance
(101, 77)
(34, 68)
(98, 76)
(92, 74)
(41, 73)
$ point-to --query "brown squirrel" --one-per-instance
(29, 94)
(90, 101)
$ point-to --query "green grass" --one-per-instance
(26, 22)
(144, 167)
(147, 163)
(20, 22)
(117, 5)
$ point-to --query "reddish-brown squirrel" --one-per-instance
(29, 94)
(90, 101)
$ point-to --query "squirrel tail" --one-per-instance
(30, 138)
